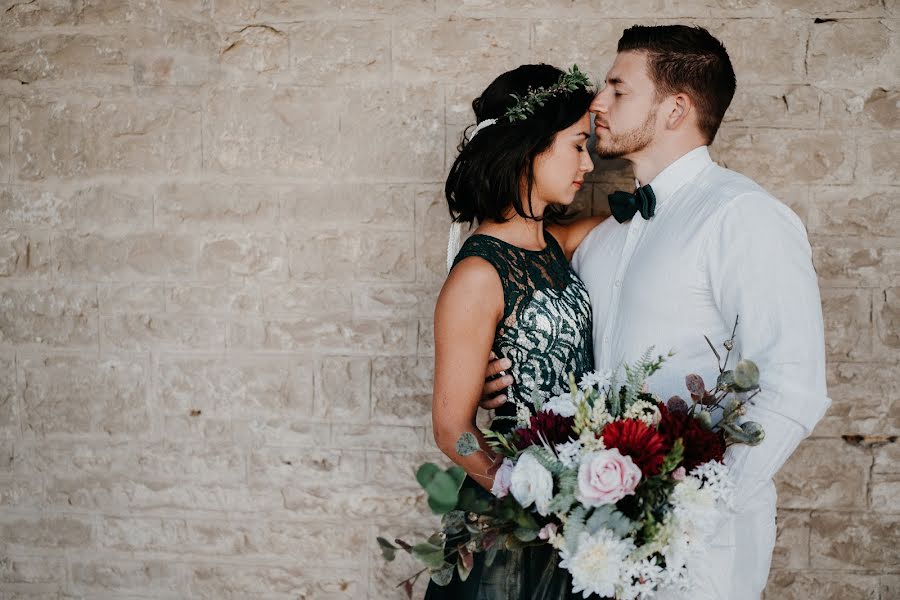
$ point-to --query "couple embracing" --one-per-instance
(695, 245)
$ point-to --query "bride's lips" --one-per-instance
(578, 184)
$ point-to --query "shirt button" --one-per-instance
(618, 282)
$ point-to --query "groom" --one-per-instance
(693, 249)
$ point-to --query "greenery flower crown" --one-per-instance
(525, 106)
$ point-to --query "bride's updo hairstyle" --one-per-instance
(484, 180)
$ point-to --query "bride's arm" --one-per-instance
(571, 235)
(465, 319)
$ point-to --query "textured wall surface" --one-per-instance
(221, 237)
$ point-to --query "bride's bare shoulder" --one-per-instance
(572, 234)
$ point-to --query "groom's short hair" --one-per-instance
(683, 59)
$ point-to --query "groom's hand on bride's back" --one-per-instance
(496, 380)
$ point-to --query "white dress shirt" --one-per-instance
(719, 246)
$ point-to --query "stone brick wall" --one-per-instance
(222, 234)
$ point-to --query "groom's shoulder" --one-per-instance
(736, 196)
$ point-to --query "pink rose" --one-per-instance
(678, 474)
(547, 531)
(605, 477)
(502, 479)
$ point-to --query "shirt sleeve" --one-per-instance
(760, 270)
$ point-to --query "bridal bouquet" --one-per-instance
(625, 487)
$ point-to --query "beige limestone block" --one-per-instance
(20, 492)
(214, 206)
(47, 532)
(400, 300)
(355, 501)
(15, 13)
(874, 108)
(338, 336)
(821, 585)
(5, 156)
(853, 50)
(145, 331)
(388, 468)
(47, 57)
(840, 483)
(127, 577)
(80, 395)
(340, 52)
(440, 49)
(758, 49)
(59, 315)
(588, 42)
(368, 255)
(82, 136)
(879, 154)
(431, 256)
(395, 133)
(307, 299)
(778, 156)
(432, 212)
(286, 131)
(254, 51)
(792, 106)
(147, 534)
(238, 11)
(854, 541)
(343, 389)
(138, 256)
(149, 496)
(258, 256)
(32, 569)
(425, 346)
(887, 458)
(792, 541)
(848, 329)
(281, 431)
(25, 254)
(148, 13)
(864, 400)
(386, 437)
(851, 210)
(330, 205)
(234, 387)
(549, 9)
(193, 462)
(278, 467)
(45, 458)
(885, 492)
(887, 324)
(224, 298)
(9, 420)
(195, 426)
(855, 263)
(121, 205)
(210, 581)
(131, 298)
(401, 390)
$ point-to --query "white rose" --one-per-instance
(531, 483)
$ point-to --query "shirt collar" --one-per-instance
(683, 170)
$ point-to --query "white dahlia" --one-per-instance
(598, 563)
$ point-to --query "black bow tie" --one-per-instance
(624, 205)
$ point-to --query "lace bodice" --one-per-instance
(546, 326)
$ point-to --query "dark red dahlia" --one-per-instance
(552, 427)
(700, 445)
(639, 441)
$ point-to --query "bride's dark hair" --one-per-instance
(484, 179)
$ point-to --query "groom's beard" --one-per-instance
(623, 144)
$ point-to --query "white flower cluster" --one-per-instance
(644, 411)
(595, 379)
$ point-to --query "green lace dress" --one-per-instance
(546, 333)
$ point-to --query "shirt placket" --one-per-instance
(635, 228)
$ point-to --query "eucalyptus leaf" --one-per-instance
(453, 522)
(388, 550)
(432, 556)
(696, 386)
(746, 374)
(442, 575)
(526, 534)
(467, 444)
(754, 432)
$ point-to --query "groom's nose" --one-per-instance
(597, 104)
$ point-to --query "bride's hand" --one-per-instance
(494, 385)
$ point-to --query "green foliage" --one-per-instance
(609, 518)
(574, 527)
(673, 458)
(499, 443)
(442, 487)
(432, 556)
(526, 105)
(388, 550)
(565, 498)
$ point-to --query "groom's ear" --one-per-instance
(680, 109)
